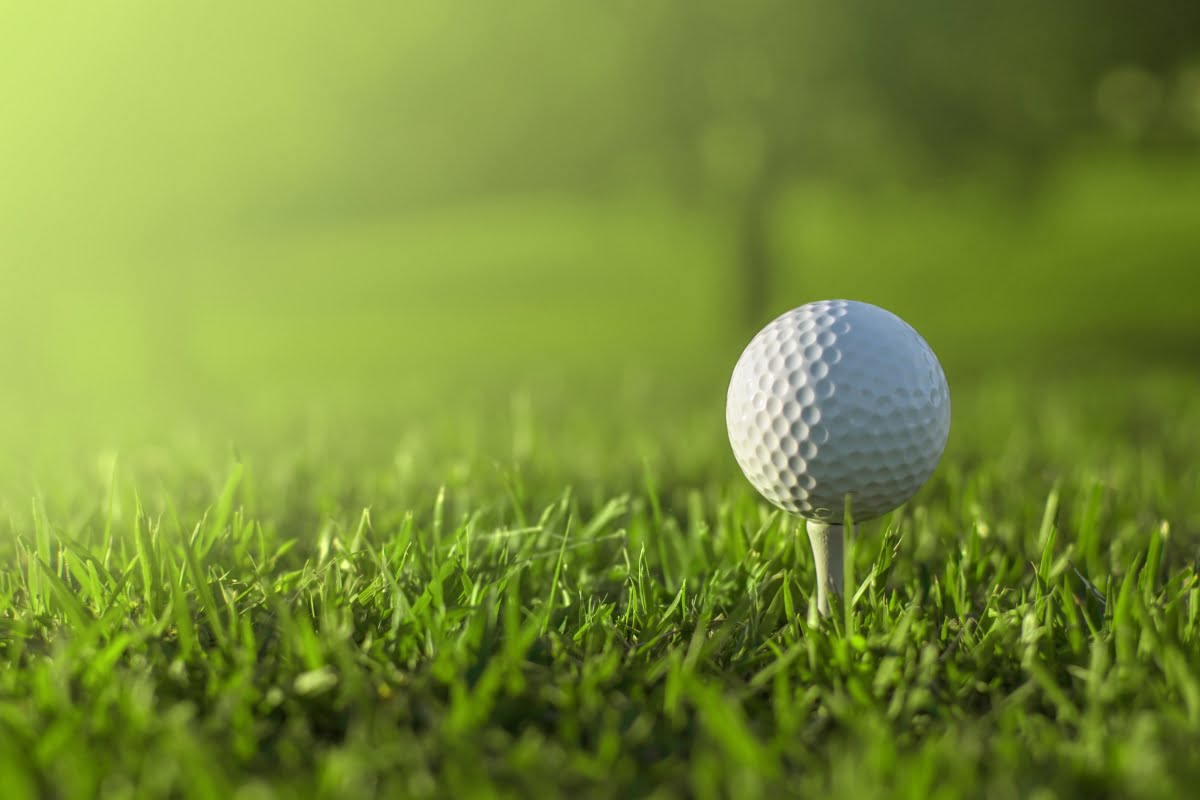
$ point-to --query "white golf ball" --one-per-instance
(834, 401)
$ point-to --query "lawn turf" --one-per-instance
(276, 530)
(279, 623)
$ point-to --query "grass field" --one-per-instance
(472, 529)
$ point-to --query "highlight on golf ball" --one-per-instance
(838, 405)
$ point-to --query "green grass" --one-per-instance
(619, 617)
(361, 420)
(458, 517)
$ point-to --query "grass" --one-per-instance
(302, 493)
(619, 618)
(312, 543)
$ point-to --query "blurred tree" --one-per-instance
(733, 104)
(745, 100)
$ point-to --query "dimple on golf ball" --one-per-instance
(838, 402)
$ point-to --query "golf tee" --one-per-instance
(827, 546)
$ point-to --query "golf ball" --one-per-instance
(838, 402)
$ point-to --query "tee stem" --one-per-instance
(827, 545)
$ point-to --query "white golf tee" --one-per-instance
(827, 545)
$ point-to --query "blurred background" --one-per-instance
(250, 212)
